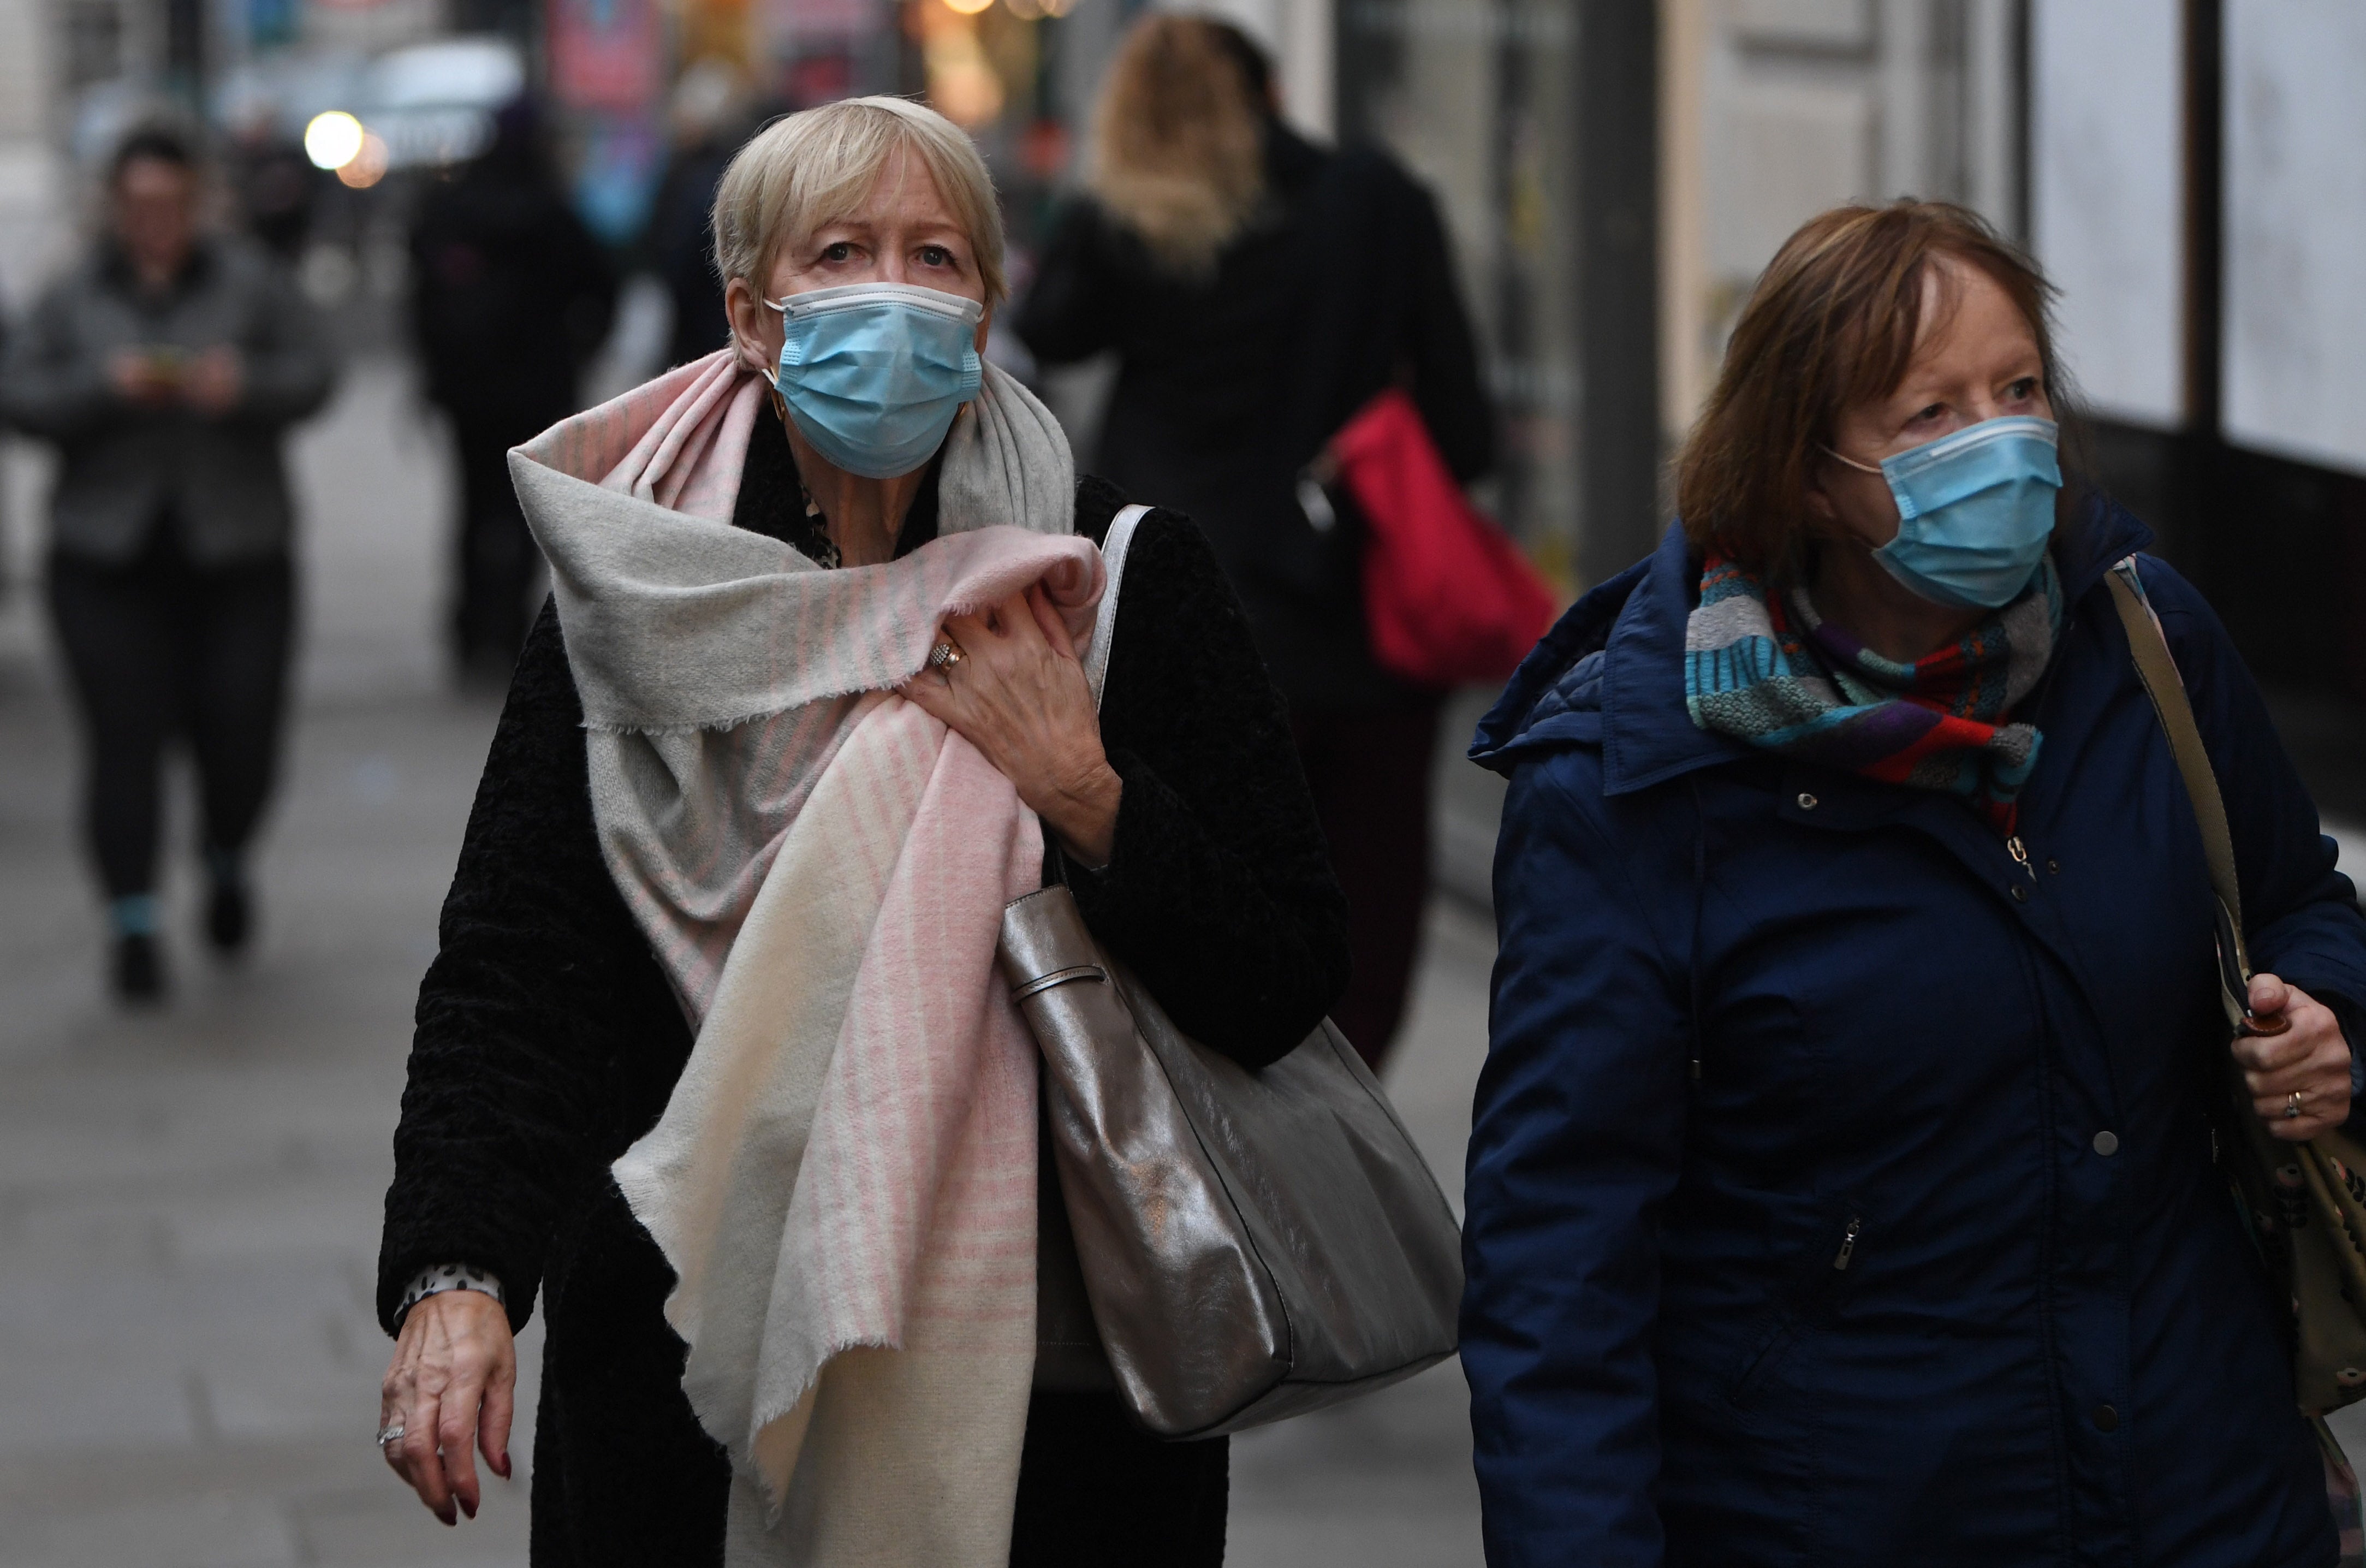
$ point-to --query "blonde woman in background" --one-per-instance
(1259, 289)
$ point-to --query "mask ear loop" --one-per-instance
(1874, 471)
(771, 382)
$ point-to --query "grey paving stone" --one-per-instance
(220, 1531)
(108, 1397)
(1382, 1482)
(387, 1528)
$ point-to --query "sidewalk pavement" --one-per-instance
(190, 1201)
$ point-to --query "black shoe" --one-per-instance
(229, 918)
(139, 970)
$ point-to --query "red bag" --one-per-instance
(1449, 600)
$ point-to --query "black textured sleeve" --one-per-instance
(1219, 894)
(543, 1001)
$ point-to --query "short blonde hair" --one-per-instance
(819, 165)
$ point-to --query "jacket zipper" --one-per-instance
(1848, 1243)
(2020, 852)
(1794, 1318)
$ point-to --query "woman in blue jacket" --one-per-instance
(1840, 1189)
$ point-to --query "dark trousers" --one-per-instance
(1370, 775)
(1097, 1492)
(158, 651)
(496, 556)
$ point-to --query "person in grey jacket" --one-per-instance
(167, 367)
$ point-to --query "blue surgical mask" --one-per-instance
(872, 373)
(1974, 511)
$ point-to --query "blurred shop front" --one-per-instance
(2200, 181)
(422, 78)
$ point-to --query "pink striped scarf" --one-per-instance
(843, 1178)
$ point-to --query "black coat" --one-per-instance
(548, 1041)
(511, 294)
(1226, 389)
(681, 248)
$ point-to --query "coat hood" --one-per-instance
(1610, 673)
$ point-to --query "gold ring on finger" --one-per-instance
(2292, 1106)
(946, 654)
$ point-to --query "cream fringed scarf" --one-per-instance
(844, 1178)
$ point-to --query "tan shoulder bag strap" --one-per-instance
(2158, 673)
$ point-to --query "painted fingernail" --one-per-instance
(467, 1507)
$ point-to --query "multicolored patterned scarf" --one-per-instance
(1778, 676)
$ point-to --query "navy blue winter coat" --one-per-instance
(1930, 1264)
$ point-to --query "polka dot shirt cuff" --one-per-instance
(447, 1276)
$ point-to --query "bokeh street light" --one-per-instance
(333, 139)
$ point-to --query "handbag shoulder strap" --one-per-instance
(2149, 645)
(1113, 553)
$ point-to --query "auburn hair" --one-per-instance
(1833, 321)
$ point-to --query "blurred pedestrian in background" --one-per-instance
(166, 367)
(275, 185)
(1842, 1186)
(512, 295)
(711, 112)
(1259, 290)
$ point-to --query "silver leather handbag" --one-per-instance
(1254, 1245)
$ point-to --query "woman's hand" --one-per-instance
(2311, 1058)
(1020, 696)
(451, 1387)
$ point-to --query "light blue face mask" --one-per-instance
(872, 373)
(1974, 511)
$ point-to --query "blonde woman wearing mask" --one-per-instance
(713, 1057)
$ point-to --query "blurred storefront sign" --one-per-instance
(607, 54)
(608, 61)
(820, 50)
